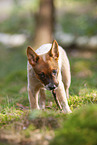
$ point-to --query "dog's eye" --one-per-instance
(42, 75)
(54, 72)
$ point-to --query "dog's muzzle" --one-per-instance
(51, 86)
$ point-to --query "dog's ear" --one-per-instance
(54, 52)
(32, 56)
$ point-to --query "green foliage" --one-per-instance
(21, 19)
(80, 128)
(79, 25)
(79, 18)
(18, 23)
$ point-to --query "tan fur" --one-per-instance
(45, 59)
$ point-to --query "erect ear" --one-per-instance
(54, 52)
(32, 56)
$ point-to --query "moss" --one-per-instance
(80, 128)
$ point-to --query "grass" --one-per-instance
(12, 75)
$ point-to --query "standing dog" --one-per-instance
(48, 67)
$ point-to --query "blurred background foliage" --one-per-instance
(75, 16)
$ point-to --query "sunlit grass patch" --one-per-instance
(9, 115)
(76, 102)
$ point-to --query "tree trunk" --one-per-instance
(44, 23)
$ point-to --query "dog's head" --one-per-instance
(46, 66)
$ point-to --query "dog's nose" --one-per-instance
(52, 87)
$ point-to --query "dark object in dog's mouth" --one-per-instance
(58, 105)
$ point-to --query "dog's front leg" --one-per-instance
(33, 98)
(42, 98)
(61, 95)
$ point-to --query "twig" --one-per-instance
(54, 94)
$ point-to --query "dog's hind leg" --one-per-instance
(66, 76)
(42, 98)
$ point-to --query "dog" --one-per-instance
(48, 68)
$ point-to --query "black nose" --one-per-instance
(52, 86)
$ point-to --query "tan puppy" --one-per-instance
(48, 68)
